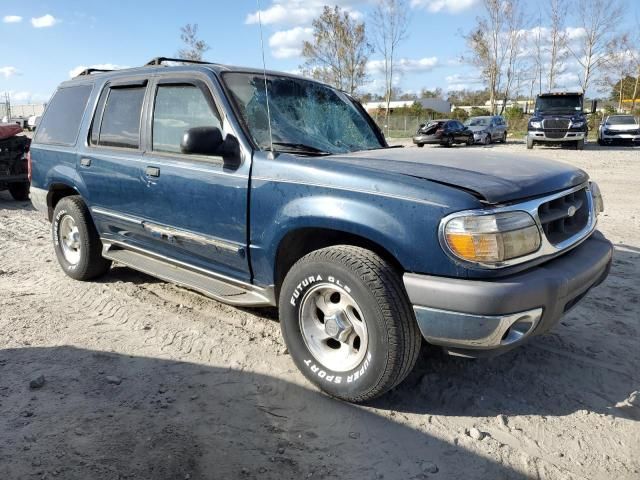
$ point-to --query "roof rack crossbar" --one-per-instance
(89, 71)
(161, 60)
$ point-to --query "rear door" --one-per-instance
(196, 209)
(110, 162)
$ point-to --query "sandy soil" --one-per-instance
(145, 380)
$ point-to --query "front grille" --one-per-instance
(556, 123)
(564, 217)
(555, 127)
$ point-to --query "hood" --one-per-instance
(621, 128)
(493, 177)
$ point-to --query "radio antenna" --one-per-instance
(264, 73)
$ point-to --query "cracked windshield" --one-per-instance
(306, 117)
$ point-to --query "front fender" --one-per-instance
(405, 229)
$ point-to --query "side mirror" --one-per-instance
(209, 141)
(422, 125)
(201, 141)
(594, 106)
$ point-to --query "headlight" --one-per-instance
(577, 124)
(492, 238)
(598, 202)
(536, 124)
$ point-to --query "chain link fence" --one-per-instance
(402, 126)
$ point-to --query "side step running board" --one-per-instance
(216, 288)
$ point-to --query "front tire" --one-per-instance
(420, 145)
(580, 144)
(76, 241)
(529, 143)
(348, 323)
(19, 191)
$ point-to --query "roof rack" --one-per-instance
(89, 71)
(161, 60)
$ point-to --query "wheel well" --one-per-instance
(298, 243)
(56, 193)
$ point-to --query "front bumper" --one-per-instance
(620, 137)
(475, 318)
(569, 136)
(478, 137)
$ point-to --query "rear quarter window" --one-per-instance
(61, 121)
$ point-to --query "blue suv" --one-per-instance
(267, 189)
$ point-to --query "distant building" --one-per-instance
(22, 111)
(436, 104)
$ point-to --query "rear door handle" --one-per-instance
(153, 172)
(85, 162)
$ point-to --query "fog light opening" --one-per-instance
(518, 330)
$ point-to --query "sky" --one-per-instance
(54, 39)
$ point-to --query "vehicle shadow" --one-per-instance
(8, 203)
(103, 415)
(586, 362)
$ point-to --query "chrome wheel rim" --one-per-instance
(333, 327)
(69, 239)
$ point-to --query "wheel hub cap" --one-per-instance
(333, 327)
(69, 237)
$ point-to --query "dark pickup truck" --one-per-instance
(13, 162)
(268, 189)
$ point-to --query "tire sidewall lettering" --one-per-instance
(316, 368)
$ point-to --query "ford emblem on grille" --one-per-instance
(571, 211)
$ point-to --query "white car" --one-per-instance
(619, 128)
(33, 121)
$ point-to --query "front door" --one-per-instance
(196, 209)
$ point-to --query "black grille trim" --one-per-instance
(557, 223)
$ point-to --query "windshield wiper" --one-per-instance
(301, 148)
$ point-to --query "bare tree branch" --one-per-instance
(390, 22)
(194, 47)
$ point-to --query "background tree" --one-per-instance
(599, 19)
(339, 51)
(194, 47)
(512, 37)
(557, 50)
(390, 22)
(487, 46)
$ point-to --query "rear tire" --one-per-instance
(420, 145)
(19, 191)
(365, 293)
(470, 141)
(504, 138)
(76, 241)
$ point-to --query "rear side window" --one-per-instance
(61, 122)
(120, 125)
(177, 109)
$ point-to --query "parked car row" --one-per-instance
(447, 132)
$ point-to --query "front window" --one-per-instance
(559, 104)
(626, 120)
(306, 116)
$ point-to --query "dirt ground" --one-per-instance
(146, 380)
